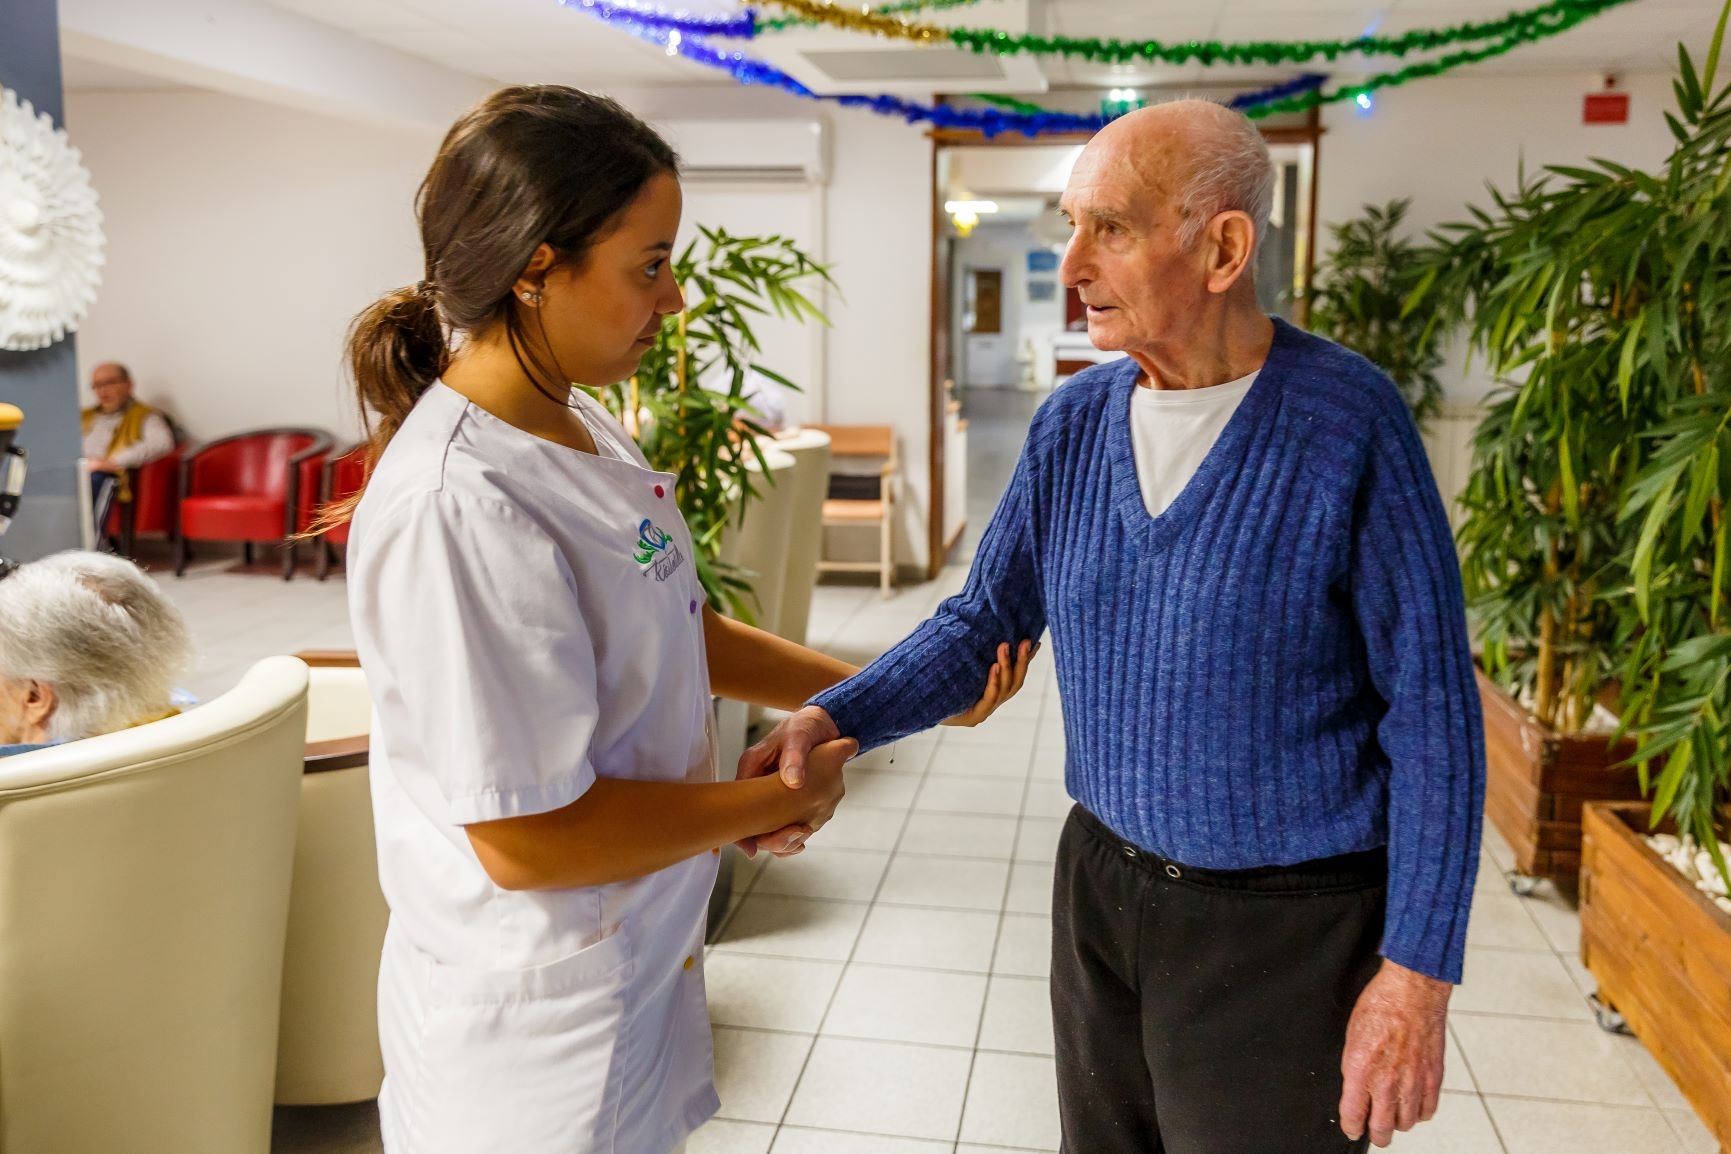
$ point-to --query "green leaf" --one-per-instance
(1712, 68)
(1708, 647)
(1626, 364)
(1716, 598)
(1703, 486)
(1416, 297)
(1571, 488)
(1687, 86)
(1643, 562)
(1670, 778)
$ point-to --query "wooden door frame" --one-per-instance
(1310, 132)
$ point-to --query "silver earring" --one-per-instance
(532, 298)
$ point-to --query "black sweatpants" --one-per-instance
(1204, 1012)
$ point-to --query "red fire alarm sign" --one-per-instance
(1607, 107)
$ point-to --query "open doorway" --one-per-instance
(999, 246)
(1009, 332)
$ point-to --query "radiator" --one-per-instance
(1448, 441)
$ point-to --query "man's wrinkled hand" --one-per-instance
(1003, 682)
(1393, 1062)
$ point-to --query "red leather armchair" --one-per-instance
(251, 487)
(345, 474)
(155, 501)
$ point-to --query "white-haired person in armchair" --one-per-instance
(88, 645)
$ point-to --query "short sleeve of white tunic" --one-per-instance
(502, 677)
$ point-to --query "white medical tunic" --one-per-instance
(528, 617)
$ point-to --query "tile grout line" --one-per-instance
(943, 1047)
(829, 1005)
(1563, 958)
(1477, 1091)
(911, 1138)
(889, 965)
(907, 816)
(997, 937)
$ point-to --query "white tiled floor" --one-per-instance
(885, 992)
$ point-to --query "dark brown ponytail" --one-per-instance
(397, 349)
(530, 165)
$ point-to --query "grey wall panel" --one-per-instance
(43, 383)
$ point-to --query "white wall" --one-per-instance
(242, 238)
(991, 359)
(877, 236)
(791, 348)
(1439, 141)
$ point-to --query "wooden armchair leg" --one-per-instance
(183, 555)
(288, 558)
(884, 539)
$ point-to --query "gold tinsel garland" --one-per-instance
(865, 19)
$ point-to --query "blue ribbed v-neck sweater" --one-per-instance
(1275, 669)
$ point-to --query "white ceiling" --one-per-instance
(523, 41)
(78, 74)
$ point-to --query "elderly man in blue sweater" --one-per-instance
(1272, 731)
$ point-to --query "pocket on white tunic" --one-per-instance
(525, 1061)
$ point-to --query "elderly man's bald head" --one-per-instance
(1168, 206)
(1199, 157)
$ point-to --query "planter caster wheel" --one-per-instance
(1524, 885)
(1608, 1018)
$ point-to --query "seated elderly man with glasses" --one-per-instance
(88, 645)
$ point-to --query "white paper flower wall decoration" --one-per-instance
(50, 230)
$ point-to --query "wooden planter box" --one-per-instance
(1537, 780)
(1661, 952)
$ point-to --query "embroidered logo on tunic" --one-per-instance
(656, 549)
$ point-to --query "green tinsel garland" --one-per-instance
(1522, 26)
(1424, 69)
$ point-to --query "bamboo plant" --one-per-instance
(1596, 543)
(1541, 543)
(708, 437)
(1358, 302)
(1676, 295)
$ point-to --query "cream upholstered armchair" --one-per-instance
(328, 1051)
(144, 894)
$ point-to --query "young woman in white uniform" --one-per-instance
(541, 660)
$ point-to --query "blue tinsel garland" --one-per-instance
(684, 35)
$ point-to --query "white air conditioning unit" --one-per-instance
(747, 151)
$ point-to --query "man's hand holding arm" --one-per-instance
(937, 672)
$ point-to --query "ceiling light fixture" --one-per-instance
(965, 214)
